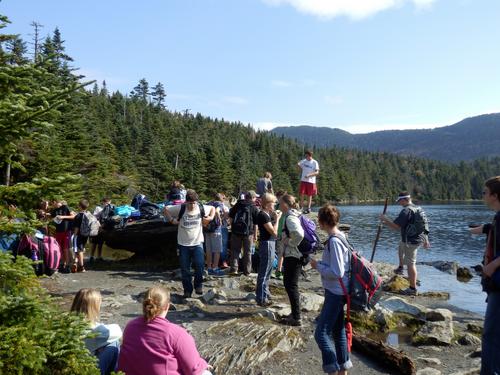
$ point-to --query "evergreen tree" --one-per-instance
(159, 94)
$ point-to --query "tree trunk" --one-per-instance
(7, 174)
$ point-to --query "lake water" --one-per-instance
(450, 241)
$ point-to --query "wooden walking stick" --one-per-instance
(378, 232)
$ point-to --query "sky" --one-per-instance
(358, 65)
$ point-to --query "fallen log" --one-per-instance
(384, 355)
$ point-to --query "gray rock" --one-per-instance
(398, 304)
(209, 295)
(194, 303)
(280, 310)
(428, 371)
(448, 267)
(250, 297)
(439, 315)
(435, 333)
(472, 371)
(231, 284)
(464, 274)
(431, 361)
(382, 316)
(469, 339)
(311, 301)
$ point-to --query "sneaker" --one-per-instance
(218, 272)
(74, 268)
(409, 292)
(199, 291)
(233, 272)
(290, 321)
(81, 269)
(399, 270)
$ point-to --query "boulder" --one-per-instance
(464, 274)
(396, 284)
(435, 294)
(475, 328)
(209, 295)
(443, 266)
(400, 305)
(382, 316)
(280, 310)
(311, 301)
(439, 315)
(435, 333)
(194, 303)
(469, 339)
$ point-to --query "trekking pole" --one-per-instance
(378, 231)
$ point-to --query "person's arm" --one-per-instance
(296, 231)
(490, 268)
(273, 229)
(211, 214)
(190, 361)
(312, 174)
(336, 267)
(171, 213)
(386, 221)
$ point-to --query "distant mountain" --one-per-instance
(469, 139)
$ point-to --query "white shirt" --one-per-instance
(308, 167)
(190, 232)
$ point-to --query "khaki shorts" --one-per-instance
(408, 252)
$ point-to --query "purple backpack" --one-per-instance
(310, 242)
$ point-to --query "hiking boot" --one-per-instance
(291, 321)
(266, 303)
(409, 292)
(399, 270)
(74, 268)
(199, 291)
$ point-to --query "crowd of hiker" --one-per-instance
(219, 239)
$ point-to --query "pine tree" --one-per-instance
(159, 94)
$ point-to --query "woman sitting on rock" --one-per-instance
(105, 340)
(152, 345)
(334, 271)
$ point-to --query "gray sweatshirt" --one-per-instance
(296, 234)
(334, 265)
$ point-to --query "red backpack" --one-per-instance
(46, 250)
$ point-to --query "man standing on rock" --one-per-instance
(309, 170)
(413, 225)
(190, 216)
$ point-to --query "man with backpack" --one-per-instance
(243, 218)
(213, 236)
(414, 227)
(85, 225)
(63, 219)
(103, 213)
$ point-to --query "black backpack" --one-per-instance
(418, 224)
(107, 213)
(216, 222)
(182, 211)
(243, 222)
(149, 210)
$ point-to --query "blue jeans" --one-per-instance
(266, 259)
(490, 360)
(108, 357)
(191, 255)
(331, 323)
(225, 240)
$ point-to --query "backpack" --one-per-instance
(310, 242)
(149, 210)
(137, 200)
(89, 226)
(243, 222)
(418, 224)
(216, 222)
(45, 251)
(106, 214)
(364, 288)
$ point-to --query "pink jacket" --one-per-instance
(159, 348)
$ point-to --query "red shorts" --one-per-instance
(63, 239)
(307, 188)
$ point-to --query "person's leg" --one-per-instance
(197, 259)
(225, 238)
(185, 263)
(271, 254)
(410, 257)
(329, 316)
(208, 251)
(309, 202)
(291, 268)
(490, 360)
(263, 260)
(236, 241)
(247, 254)
(108, 358)
(93, 246)
(401, 249)
(100, 243)
(217, 249)
(340, 339)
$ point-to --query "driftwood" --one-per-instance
(385, 355)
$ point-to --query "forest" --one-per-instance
(92, 142)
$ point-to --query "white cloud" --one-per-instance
(355, 9)
(267, 125)
(280, 83)
(333, 100)
(235, 100)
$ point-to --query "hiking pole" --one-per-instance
(378, 231)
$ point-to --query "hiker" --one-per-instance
(213, 236)
(490, 360)
(175, 195)
(267, 221)
(292, 265)
(103, 213)
(264, 185)
(309, 170)
(153, 345)
(81, 232)
(105, 343)
(225, 235)
(243, 218)
(334, 271)
(190, 217)
(410, 240)
(63, 218)
(279, 243)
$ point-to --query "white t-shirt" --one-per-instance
(308, 166)
(190, 232)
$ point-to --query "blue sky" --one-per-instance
(359, 65)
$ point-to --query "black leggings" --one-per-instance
(291, 272)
